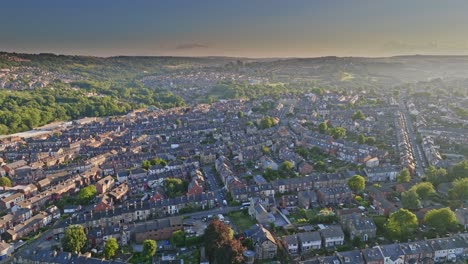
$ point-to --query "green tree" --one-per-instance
(424, 189)
(110, 248)
(5, 182)
(441, 220)
(87, 194)
(248, 243)
(178, 238)
(265, 150)
(323, 128)
(436, 176)
(175, 187)
(358, 115)
(286, 165)
(361, 139)
(357, 183)
(338, 132)
(267, 122)
(370, 140)
(286, 170)
(404, 176)
(146, 164)
(459, 170)
(74, 239)
(410, 199)
(401, 225)
(158, 161)
(269, 174)
(149, 248)
(459, 190)
(240, 114)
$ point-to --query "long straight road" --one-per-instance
(412, 138)
(213, 184)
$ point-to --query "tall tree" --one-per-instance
(218, 237)
(404, 175)
(357, 183)
(358, 115)
(460, 170)
(110, 248)
(424, 189)
(5, 182)
(401, 224)
(230, 252)
(436, 176)
(178, 238)
(287, 165)
(149, 247)
(338, 132)
(441, 220)
(323, 127)
(459, 190)
(74, 240)
(410, 199)
(87, 194)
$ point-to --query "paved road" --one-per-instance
(412, 138)
(213, 184)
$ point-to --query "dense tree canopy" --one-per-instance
(338, 132)
(362, 139)
(436, 176)
(267, 122)
(335, 132)
(149, 247)
(175, 187)
(357, 183)
(265, 150)
(110, 248)
(441, 220)
(459, 190)
(220, 245)
(424, 189)
(410, 199)
(323, 127)
(74, 239)
(358, 115)
(178, 238)
(146, 164)
(401, 225)
(5, 181)
(86, 194)
(404, 175)
(24, 110)
(460, 170)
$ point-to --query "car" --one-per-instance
(49, 238)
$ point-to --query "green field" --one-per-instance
(241, 220)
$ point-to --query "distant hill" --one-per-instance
(48, 87)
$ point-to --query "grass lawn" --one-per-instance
(241, 220)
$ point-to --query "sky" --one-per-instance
(241, 28)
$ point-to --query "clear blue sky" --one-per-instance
(252, 28)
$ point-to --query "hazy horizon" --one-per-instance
(250, 29)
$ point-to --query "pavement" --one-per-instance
(412, 138)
